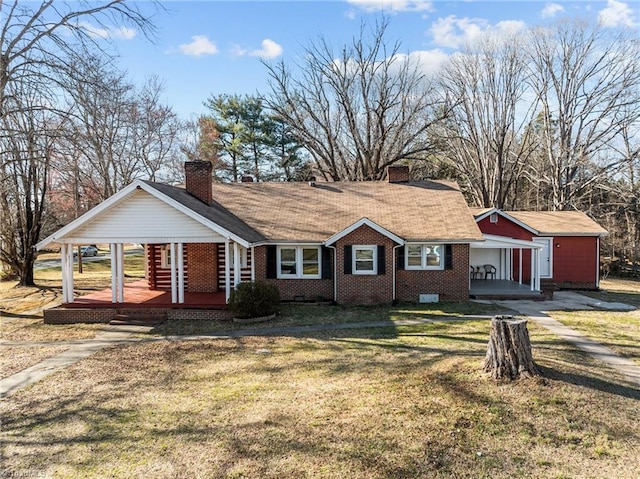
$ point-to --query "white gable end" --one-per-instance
(142, 218)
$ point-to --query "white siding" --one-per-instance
(142, 218)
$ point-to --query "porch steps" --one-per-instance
(139, 317)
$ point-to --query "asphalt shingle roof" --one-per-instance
(559, 222)
(298, 212)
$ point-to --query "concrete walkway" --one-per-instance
(566, 300)
(80, 349)
(77, 350)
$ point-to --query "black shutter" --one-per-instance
(272, 262)
(347, 259)
(400, 258)
(448, 256)
(327, 273)
(382, 265)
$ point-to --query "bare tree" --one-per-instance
(359, 110)
(39, 45)
(587, 81)
(486, 137)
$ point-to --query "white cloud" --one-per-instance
(454, 32)
(122, 33)
(550, 10)
(429, 61)
(393, 5)
(238, 51)
(616, 14)
(200, 45)
(270, 49)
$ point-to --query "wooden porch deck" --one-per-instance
(138, 295)
(501, 289)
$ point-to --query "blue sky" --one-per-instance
(205, 48)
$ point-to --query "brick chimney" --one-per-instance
(199, 179)
(398, 173)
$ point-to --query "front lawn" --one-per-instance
(390, 402)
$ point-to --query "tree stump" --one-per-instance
(509, 349)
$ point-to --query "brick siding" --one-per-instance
(451, 285)
(359, 288)
(293, 289)
(203, 267)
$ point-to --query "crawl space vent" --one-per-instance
(429, 298)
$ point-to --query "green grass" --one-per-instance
(398, 401)
(619, 331)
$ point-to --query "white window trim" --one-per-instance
(374, 248)
(165, 256)
(244, 263)
(299, 262)
(423, 257)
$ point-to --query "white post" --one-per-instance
(65, 271)
(538, 271)
(227, 271)
(520, 266)
(533, 268)
(114, 273)
(70, 273)
(236, 264)
(174, 289)
(180, 274)
(120, 259)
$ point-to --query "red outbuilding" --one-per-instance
(568, 246)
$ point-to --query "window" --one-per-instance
(364, 260)
(243, 256)
(493, 218)
(425, 256)
(165, 256)
(298, 262)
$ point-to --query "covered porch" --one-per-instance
(499, 267)
(139, 296)
(141, 214)
(501, 289)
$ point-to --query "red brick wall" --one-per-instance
(203, 267)
(451, 285)
(308, 289)
(198, 180)
(365, 289)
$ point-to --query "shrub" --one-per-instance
(255, 299)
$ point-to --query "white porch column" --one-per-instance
(114, 272)
(520, 267)
(538, 270)
(174, 286)
(533, 269)
(227, 271)
(236, 264)
(120, 260)
(64, 266)
(180, 274)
